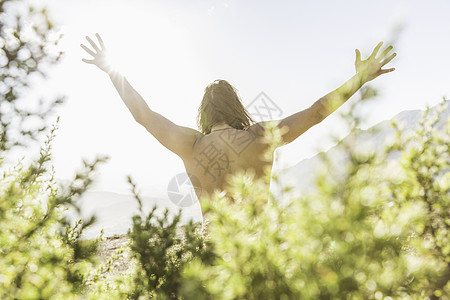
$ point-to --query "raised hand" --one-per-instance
(99, 55)
(371, 68)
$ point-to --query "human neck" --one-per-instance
(220, 126)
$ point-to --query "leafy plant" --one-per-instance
(375, 228)
(41, 254)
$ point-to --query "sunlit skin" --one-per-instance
(224, 141)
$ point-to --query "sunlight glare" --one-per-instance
(152, 40)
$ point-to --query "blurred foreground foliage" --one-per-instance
(28, 47)
(41, 254)
(376, 228)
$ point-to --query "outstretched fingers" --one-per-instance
(386, 52)
(387, 71)
(88, 61)
(93, 44)
(387, 60)
(375, 51)
(88, 50)
(100, 41)
(358, 55)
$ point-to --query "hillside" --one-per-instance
(302, 175)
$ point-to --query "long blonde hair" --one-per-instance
(221, 104)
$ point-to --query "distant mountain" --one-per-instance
(114, 211)
(302, 175)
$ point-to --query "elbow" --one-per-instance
(139, 116)
(319, 117)
(318, 112)
(139, 119)
(143, 115)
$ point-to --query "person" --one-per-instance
(229, 140)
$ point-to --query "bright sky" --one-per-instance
(294, 51)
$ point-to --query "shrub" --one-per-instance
(378, 230)
(41, 255)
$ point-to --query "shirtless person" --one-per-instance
(229, 140)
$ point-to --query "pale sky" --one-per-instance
(293, 51)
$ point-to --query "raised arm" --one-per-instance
(177, 139)
(366, 71)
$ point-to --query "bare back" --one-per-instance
(224, 152)
(210, 159)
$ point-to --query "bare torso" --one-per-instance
(210, 159)
(222, 153)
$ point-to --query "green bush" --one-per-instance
(376, 228)
(41, 255)
(380, 230)
(161, 248)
